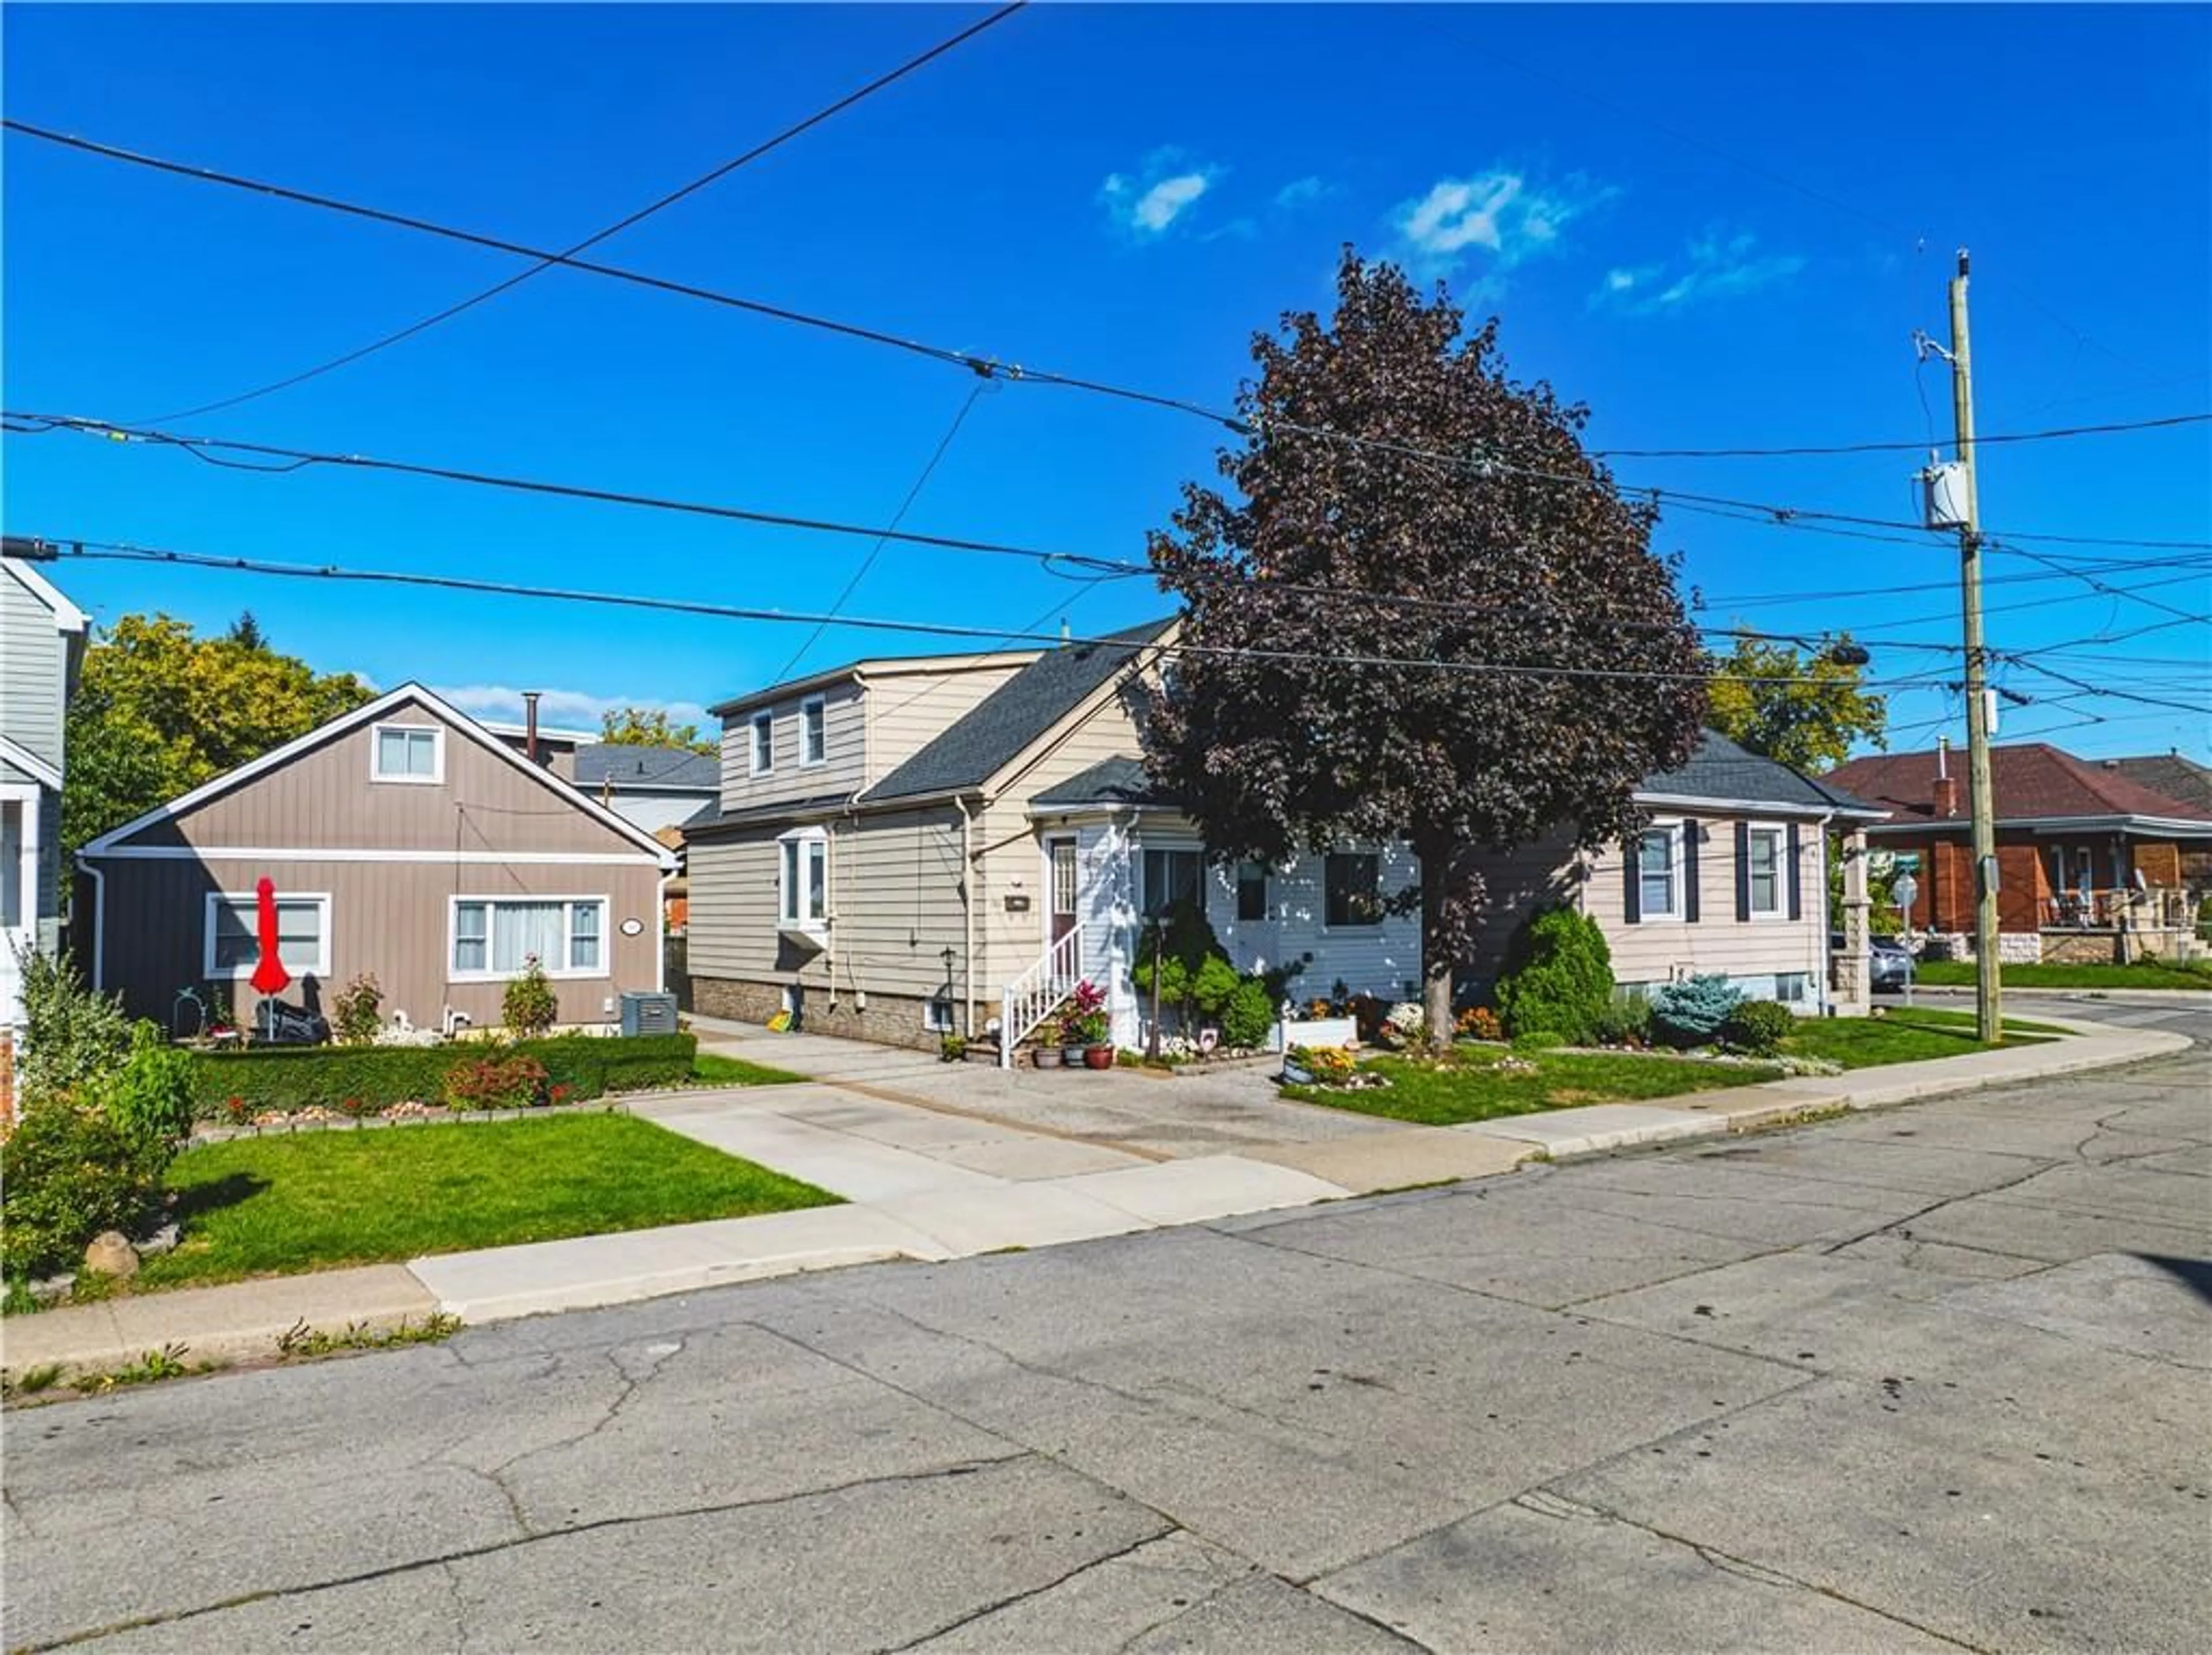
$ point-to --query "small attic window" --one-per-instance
(408, 752)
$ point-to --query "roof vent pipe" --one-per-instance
(530, 725)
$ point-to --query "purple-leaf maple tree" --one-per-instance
(1409, 609)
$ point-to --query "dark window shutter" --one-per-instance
(1797, 878)
(1632, 894)
(1690, 872)
(1742, 873)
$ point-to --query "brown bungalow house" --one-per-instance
(2091, 863)
(404, 839)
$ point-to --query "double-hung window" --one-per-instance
(813, 731)
(1659, 872)
(499, 936)
(407, 753)
(1763, 872)
(1352, 888)
(1172, 876)
(803, 879)
(232, 946)
(1251, 891)
(763, 743)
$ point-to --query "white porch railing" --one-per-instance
(1033, 997)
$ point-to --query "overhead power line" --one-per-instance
(1981, 442)
(116, 552)
(992, 367)
(713, 176)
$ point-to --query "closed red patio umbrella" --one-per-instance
(269, 976)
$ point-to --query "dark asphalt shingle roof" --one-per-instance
(675, 770)
(1719, 769)
(1113, 782)
(981, 742)
(2171, 774)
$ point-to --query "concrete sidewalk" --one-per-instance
(926, 1181)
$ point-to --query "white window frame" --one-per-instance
(562, 972)
(811, 847)
(437, 734)
(813, 721)
(240, 973)
(1780, 835)
(939, 1015)
(1146, 911)
(759, 725)
(1675, 828)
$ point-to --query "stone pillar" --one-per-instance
(1854, 992)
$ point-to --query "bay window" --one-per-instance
(803, 879)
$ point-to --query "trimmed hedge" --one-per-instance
(301, 1077)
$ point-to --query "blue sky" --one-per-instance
(1717, 227)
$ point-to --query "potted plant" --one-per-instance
(1086, 1030)
(1050, 1056)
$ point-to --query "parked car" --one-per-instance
(1889, 963)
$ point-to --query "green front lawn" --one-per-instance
(2145, 973)
(712, 1068)
(1470, 1086)
(1902, 1034)
(318, 1201)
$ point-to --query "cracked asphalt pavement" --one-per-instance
(1933, 1377)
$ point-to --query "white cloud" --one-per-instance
(1504, 215)
(1168, 185)
(568, 710)
(1713, 267)
(1300, 191)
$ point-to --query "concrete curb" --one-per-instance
(246, 1319)
(2091, 996)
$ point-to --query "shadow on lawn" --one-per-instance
(198, 1200)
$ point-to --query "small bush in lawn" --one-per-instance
(66, 1174)
(70, 1034)
(1480, 1023)
(1758, 1027)
(353, 1018)
(1249, 1017)
(1692, 1012)
(1558, 977)
(1539, 1040)
(148, 1098)
(528, 1007)
(1625, 1022)
(501, 1081)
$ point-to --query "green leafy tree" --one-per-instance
(651, 727)
(1367, 574)
(1803, 709)
(159, 710)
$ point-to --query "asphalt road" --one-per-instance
(1934, 1377)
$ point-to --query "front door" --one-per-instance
(1060, 855)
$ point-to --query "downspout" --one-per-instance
(967, 917)
(99, 924)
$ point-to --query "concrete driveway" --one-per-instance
(1935, 1377)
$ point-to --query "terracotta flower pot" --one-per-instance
(1098, 1057)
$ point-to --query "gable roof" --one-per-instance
(2182, 780)
(2032, 780)
(626, 765)
(870, 665)
(67, 616)
(1722, 771)
(993, 732)
(460, 722)
(1719, 772)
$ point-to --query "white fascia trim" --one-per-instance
(370, 712)
(308, 854)
(45, 774)
(68, 617)
(1754, 807)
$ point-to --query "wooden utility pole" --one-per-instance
(1988, 999)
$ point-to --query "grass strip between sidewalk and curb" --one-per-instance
(322, 1199)
(2143, 974)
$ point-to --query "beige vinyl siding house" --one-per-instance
(42, 642)
(404, 841)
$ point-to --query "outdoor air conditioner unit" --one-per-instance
(645, 1013)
